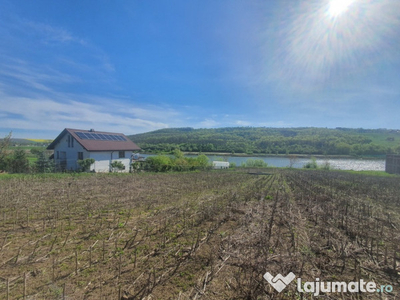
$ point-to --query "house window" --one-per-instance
(58, 155)
(80, 155)
(121, 154)
(70, 140)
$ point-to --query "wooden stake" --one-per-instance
(90, 256)
(101, 289)
(8, 289)
(24, 285)
(119, 266)
(104, 250)
(54, 268)
(76, 262)
(386, 253)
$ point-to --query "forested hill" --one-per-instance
(253, 140)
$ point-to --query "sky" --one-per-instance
(138, 66)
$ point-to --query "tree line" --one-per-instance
(16, 161)
(314, 141)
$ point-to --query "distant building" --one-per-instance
(72, 145)
(392, 164)
(220, 165)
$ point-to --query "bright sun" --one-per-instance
(336, 7)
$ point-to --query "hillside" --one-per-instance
(261, 140)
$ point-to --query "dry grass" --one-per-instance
(206, 235)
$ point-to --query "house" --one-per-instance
(220, 165)
(72, 145)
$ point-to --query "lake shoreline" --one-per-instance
(299, 161)
(320, 156)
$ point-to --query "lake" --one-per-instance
(356, 164)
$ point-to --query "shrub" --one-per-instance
(162, 163)
(85, 164)
(117, 166)
(159, 163)
(326, 166)
(312, 164)
(254, 163)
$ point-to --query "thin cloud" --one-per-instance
(208, 123)
(52, 34)
(42, 114)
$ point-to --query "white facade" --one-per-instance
(103, 160)
(68, 151)
(220, 165)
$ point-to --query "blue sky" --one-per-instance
(137, 66)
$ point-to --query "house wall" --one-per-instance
(69, 162)
(220, 165)
(103, 159)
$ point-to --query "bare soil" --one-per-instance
(199, 235)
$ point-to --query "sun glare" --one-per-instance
(337, 7)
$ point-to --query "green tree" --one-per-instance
(178, 153)
(202, 161)
(18, 162)
(4, 144)
(43, 164)
(36, 150)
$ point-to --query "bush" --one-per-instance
(85, 164)
(312, 164)
(163, 163)
(117, 166)
(159, 163)
(326, 166)
(254, 163)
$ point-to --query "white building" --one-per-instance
(72, 145)
(220, 165)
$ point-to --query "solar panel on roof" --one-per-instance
(80, 135)
(99, 136)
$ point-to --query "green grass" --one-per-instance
(381, 139)
(45, 175)
(371, 173)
